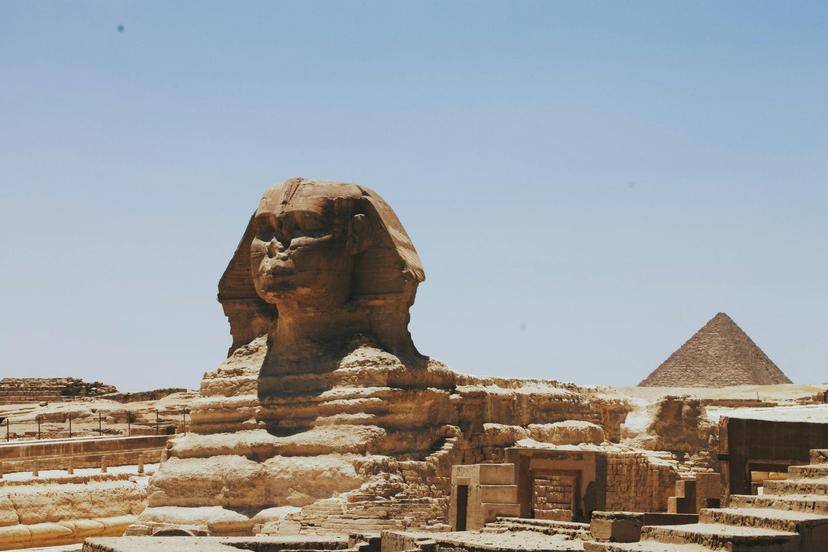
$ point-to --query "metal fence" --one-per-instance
(167, 425)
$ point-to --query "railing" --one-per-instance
(71, 454)
(170, 425)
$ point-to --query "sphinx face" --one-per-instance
(299, 251)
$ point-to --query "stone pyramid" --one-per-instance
(717, 355)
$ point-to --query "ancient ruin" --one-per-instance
(24, 390)
(326, 429)
(333, 397)
(719, 354)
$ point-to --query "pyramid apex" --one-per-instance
(722, 316)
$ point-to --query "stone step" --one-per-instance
(729, 537)
(547, 527)
(796, 503)
(647, 546)
(491, 511)
(809, 471)
(812, 486)
(767, 518)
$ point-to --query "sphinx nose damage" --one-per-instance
(274, 248)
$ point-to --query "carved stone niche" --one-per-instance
(322, 266)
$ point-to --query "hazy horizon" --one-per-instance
(587, 184)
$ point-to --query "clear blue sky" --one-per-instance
(587, 183)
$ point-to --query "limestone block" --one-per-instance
(621, 529)
(238, 481)
(569, 432)
(8, 514)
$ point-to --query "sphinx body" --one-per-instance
(323, 395)
(322, 380)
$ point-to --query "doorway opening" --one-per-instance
(462, 506)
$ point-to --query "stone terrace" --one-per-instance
(36, 390)
(791, 516)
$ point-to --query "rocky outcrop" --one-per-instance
(362, 446)
(570, 432)
(37, 390)
(54, 512)
(679, 425)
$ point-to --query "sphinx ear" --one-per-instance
(360, 234)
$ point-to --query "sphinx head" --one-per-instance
(333, 251)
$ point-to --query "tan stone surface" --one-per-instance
(322, 262)
(569, 432)
(238, 481)
(43, 513)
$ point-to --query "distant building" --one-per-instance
(719, 354)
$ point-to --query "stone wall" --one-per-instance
(679, 425)
(56, 512)
(400, 495)
(638, 483)
(80, 453)
(37, 390)
(552, 497)
(142, 396)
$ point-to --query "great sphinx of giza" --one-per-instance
(323, 269)
(323, 395)
(320, 266)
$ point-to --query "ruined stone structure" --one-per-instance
(791, 516)
(36, 390)
(719, 354)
